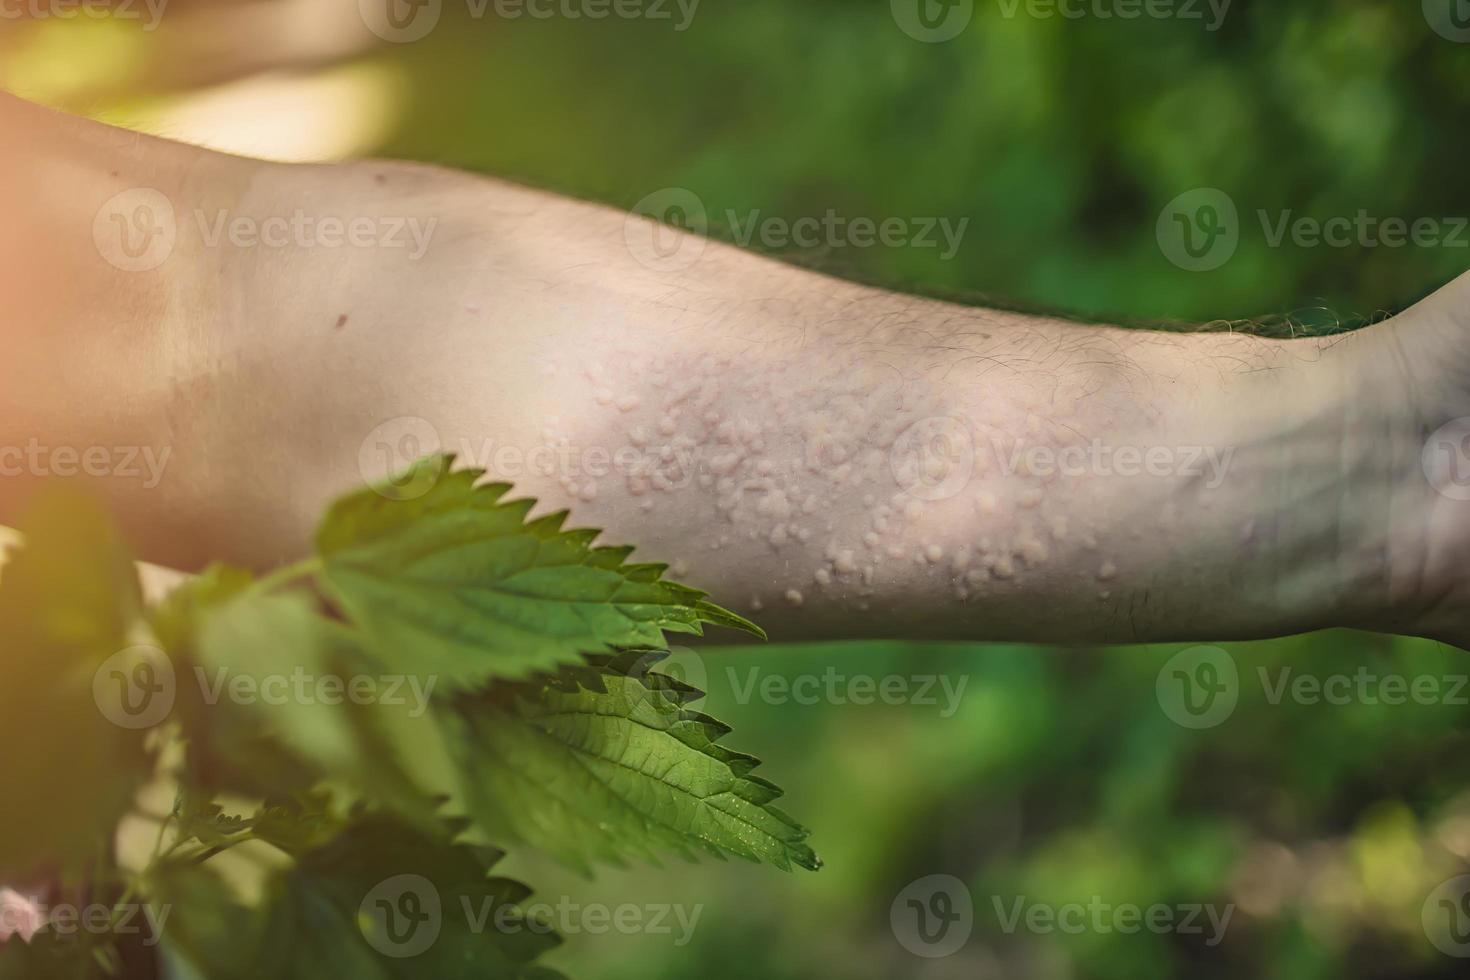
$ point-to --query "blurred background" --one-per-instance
(1073, 138)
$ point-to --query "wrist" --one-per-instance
(1415, 459)
(1326, 450)
(1283, 530)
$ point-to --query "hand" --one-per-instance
(1415, 426)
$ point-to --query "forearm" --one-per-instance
(860, 463)
(757, 425)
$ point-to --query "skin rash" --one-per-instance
(849, 479)
(851, 474)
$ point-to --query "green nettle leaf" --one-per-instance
(68, 601)
(272, 668)
(380, 900)
(449, 755)
(451, 668)
(298, 824)
(226, 746)
(458, 583)
(607, 762)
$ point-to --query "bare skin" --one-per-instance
(842, 460)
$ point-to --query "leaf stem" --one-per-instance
(158, 841)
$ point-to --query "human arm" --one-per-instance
(1277, 488)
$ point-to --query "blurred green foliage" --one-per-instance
(1060, 777)
(1060, 139)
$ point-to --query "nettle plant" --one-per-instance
(320, 826)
